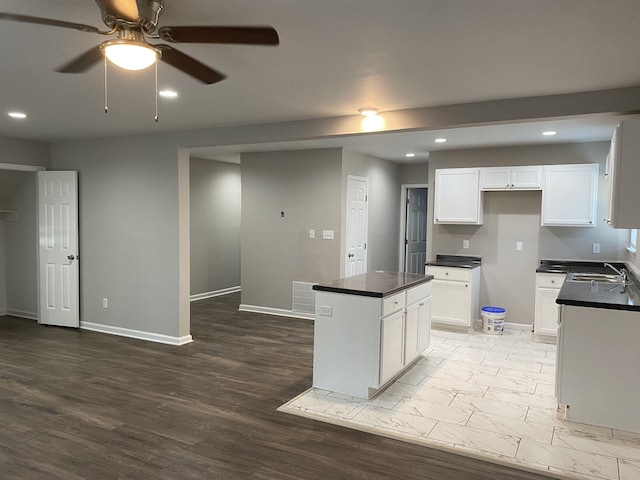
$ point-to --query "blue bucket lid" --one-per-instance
(493, 309)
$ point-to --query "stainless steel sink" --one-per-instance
(596, 277)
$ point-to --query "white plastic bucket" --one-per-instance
(493, 319)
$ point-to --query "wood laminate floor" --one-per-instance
(76, 404)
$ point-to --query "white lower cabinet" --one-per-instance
(545, 324)
(365, 342)
(455, 301)
(392, 343)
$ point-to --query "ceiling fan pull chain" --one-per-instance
(156, 117)
(106, 106)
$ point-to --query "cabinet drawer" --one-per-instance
(550, 280)
(450, 273)
(418, 293)
(393, 303)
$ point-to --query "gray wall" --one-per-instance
(25, 152)
(384, 207)
(129, 230)
(18, 242)
(3, 284)
(414, 173)
(306, 185)
(215, 214)
(508, 277)
(21, 243)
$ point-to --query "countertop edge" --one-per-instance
(370, 293)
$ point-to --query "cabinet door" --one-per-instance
(391, 346)
(457, 196)
(424, 324)
(411, 333)
(526, 178)
(546, 316)
(450, 302)
(495, 178)
(569, 196)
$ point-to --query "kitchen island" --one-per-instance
(598, 359)
(368, 329)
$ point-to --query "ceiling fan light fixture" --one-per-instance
(130, 54)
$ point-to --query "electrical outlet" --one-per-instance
(327, 234)
(596, 248)
(465, 243)
(105, 303)
(324, 311)
(519, 246)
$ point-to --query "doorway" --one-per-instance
(413, 244)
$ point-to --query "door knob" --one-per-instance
(71, 257)
(350, 255)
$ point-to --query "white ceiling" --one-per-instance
(335, 57)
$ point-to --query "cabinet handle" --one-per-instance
(395, 303)
(512, 185)
(446, 273)
(553, 281)
(466, 285)
(421, 304)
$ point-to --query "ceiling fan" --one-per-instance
(136, 21)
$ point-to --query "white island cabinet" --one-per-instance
(368, 328)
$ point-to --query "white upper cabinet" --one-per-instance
(569, 195)
(457, 196)
(623, 172)
(511, 178)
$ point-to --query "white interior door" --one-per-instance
(58, 248)
(416, 230)
(356, 235)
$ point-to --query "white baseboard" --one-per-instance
(281, 312)
(21, 314)
(215, 293)
(517, 326)
(138, 334)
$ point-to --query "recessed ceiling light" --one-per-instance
(17, 115)
(549, 133)
(368, 111)
(440, 140)
(409, 155)
(168, 93)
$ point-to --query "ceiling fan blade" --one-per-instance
(124, 9)
(234, 35)
(14, 17)
(189, 65)
(83, 62)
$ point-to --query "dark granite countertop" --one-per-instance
(600, 295)
(374, 284)
(576, 266)
(593, 294)
(460, 261)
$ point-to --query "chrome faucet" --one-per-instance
(622, 273)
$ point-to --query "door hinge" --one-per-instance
(365, 246)
(366, 198)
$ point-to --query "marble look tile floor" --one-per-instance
(486, 396)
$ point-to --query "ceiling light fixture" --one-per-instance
(368, 111)
(549, 133)
(130, 54)
(17, 115)
(410, 155)
(440, 140)
(168, 93)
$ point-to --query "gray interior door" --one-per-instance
(416, 231)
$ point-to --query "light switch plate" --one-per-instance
(519, 246)
(596, 248)
(312, 233)
(465, 243)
